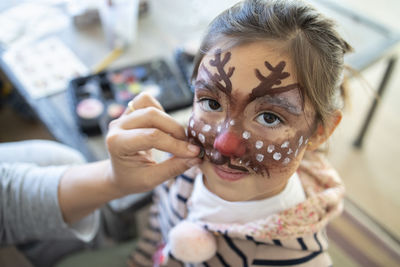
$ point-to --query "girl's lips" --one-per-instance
(228, 174)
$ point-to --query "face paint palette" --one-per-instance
(98, 99)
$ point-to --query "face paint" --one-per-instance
(221, 75)
(246, 135)
(218, 147)
(274, 78)
(259, 144)
(230, 130)
(227, 146)
(285, 144)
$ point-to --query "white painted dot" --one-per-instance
(277, 156)
(270, 148)
(216, 154)
(286, 161)
(240, 161)
(285, 144)
(248, 163)
(255, 169)
(219, 128)
(193, 133)
(206, 128)
(191, 123)
(246, 135)
(297, 152)
(232, 122)
(202, 138)
(259, 144)
(306, 142)
(259, 157)
(301, 140)
(290, 151)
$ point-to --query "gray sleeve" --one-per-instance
(29, 206)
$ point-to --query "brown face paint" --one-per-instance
(257, 153)
(281, 101)
(228, 141)
(274, 78)
(221, 75)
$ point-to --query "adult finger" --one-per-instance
(143, 100)
(132, 141)
(150, 117)
(170, 168)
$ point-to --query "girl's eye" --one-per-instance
(210, 104)
(268, 119)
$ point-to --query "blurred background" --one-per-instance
(69, 67)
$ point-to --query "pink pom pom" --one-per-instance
(189, 242)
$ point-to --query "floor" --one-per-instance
(16, 127)
(371, 174)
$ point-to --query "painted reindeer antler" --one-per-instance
(274, 78)
(221, 75)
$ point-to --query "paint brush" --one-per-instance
(105, 62)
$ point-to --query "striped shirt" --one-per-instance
(236, 246)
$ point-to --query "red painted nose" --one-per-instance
(229, 144)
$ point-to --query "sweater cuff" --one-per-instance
(86, 229)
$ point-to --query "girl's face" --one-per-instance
(252, 120)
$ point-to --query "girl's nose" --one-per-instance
(229, 144)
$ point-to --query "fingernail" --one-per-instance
(193, 162)
(194, 149)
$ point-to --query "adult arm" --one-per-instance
(54, 202)
(29, 207)
(131, 167)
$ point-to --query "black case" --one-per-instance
(121, 85)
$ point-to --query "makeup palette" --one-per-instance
(98, 99)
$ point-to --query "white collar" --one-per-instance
(206, 206)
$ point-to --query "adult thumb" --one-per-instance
(172, 167)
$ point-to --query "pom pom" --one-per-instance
(189, 242)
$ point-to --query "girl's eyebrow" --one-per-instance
(273, 99)
(282, 102)
(275, 77)
(202, 84)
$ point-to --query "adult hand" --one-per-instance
(131, 168)
(131, 137)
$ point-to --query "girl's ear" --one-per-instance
(323, 133)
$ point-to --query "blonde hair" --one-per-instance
(309, 38)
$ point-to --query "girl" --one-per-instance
(268, 82)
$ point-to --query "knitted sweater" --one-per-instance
(293, 237)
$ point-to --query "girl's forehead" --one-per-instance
(246, 59)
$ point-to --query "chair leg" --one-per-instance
(382, 87)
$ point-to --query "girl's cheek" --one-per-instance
(200, 132)
(264, 153)
(270, 155)
(206, 129)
